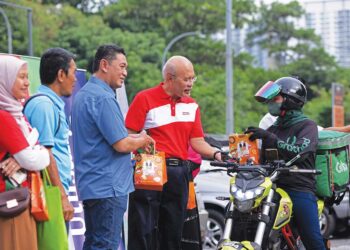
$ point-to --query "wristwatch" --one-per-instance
(215, 153)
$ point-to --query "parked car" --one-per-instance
(211, 185)
(203, 215)
(336, 219)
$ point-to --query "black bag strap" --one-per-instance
(41, 94)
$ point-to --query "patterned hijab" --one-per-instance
(9, 67)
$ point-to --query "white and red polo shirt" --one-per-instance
(170, 123)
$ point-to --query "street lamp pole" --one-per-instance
(229, 70)
(9, 31)
(29, 23)
(174, 40)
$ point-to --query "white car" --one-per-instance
(210, 186)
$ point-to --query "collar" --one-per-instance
(47, 91)
(290, 118)
(164, 95)
(102, 84)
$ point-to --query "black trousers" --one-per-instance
(155, 219)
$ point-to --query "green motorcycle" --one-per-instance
(258, 215)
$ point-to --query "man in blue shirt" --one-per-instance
(45, 111)
(101, 148)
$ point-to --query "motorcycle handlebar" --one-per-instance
(221, 164)
(299, 170)
(237, 167)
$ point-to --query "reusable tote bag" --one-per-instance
(52, 234)
(150, 171)
(38, 202)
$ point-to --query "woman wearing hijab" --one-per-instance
(18, 151)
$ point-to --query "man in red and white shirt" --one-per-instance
(172, 118)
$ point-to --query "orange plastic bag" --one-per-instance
(39, 208)
(243, 149)
(191, 203)
(150, 171)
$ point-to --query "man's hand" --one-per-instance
(9, 166)
(149, 143)
(68, 209)
(259, 133)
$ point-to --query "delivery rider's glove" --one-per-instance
(259, 133)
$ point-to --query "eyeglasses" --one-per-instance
(189, 79)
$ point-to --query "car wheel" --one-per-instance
(327, 223)
(215, 229)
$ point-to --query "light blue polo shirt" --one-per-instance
(47, 115)
(97, 123)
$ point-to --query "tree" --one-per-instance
(274, 29)
(145, 30)
(172, 17)
(318, 68)
(84, 5)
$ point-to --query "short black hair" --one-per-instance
(107, 52)
(52, 61)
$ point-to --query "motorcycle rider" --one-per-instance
(292, 134)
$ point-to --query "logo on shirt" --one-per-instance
(290, 146)
(185, 113)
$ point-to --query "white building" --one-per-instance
(331, 21)
(329, 18)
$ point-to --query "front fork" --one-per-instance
(261, 226)
(228, 223)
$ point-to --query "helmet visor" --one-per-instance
(267, 92)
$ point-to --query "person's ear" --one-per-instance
(170, 77)
(104, 65)
(60, 75)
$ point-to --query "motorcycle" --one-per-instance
(258, 215)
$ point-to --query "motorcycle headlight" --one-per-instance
(244, 201)
(259, 191)
(238, 194)
(244, 206)
(233, 188)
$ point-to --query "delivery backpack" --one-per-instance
(332, 158)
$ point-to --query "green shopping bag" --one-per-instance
(52, 234)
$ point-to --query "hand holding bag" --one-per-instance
(52, 234)
(150, 171)
(13, 202)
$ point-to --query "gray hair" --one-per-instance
(170, 65)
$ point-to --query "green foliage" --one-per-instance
(172, 17)
(320, 108)
(85, 5)
(274, 30)
(167, 17)
(209, 91)
(145, 28)
(317, 68)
